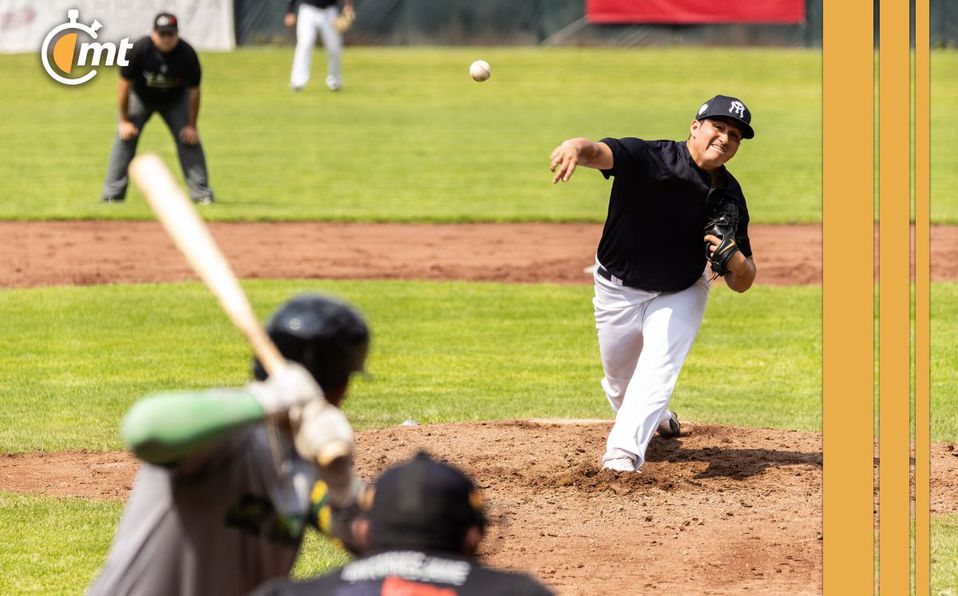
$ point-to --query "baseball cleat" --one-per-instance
(619, 464)
(670, 427)
(207, 200)
(111, 200)
(619, 460)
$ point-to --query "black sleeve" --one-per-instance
(741, 235)
(630, 157)
(192, 72)
(133, 68)
(291, 6)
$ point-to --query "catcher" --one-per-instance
(651, 277)
(421, 526)
(231, 478)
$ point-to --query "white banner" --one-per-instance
(205, 24)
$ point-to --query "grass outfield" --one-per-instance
(944, 355)
(944, 555)
(944, 136)
(411, 137)
(442, 352)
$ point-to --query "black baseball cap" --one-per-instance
(423, 504)
(165, 23)
(723, 106)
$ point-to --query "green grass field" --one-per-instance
(471, 352)
(412, 137)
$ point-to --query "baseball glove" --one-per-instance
(345, 19)
(723, 224)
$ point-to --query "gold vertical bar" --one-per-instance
(922, 300)
(894, 141)
(848, 296)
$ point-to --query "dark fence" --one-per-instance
(546, 22)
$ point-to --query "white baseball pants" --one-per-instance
(644, 338)
(309, 20)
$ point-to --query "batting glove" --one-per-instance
(322, 435)
(285, 388)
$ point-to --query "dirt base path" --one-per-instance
(720, 510)
(82, 253)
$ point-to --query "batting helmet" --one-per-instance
(327, 336)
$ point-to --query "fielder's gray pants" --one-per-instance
(175, 114)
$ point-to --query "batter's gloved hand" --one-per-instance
(285, 388)
(322, 435)
(722, 224)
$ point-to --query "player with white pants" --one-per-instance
(316, 16)
(659, 326)
(651, 280)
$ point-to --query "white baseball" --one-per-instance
(479, 70)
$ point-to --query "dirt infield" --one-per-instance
(720, 510)
(83, 253)
(109, 252)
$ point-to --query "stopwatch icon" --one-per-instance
(65, 48)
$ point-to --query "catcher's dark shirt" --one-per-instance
(411, 573)
(653, 237)
(159, 78)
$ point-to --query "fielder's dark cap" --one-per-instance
(165, 23)
(423, 504)
(723, 106)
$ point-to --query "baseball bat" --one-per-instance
(191, 235)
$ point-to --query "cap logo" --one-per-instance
(738, 108)
(704, 107)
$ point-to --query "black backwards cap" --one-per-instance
(165, 23)
(723, 106)
(423, 504)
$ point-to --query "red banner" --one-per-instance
(684, 12)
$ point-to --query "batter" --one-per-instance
(227, 486)
(651, 279)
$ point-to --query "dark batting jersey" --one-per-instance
(412, 573)
(653, 237)
(159, 78)
(222, 522)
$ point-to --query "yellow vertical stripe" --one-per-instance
(894, 300)
(922, 301)
(848, 294)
